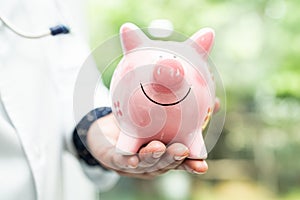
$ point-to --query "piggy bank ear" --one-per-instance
(131, 37)
(203, 40)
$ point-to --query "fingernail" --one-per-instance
(182, 149)
(131, 166)
(196, 172)
(180, 157)
(158, 154)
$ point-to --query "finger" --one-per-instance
(111, 159)
(194, 166)
(150, 154)
(174, 156)
(122, 162)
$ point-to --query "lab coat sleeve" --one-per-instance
(103, 179)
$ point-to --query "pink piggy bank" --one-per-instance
(163, 90)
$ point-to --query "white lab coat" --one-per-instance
(36, 114)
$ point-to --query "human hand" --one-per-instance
(152, 160)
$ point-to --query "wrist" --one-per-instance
(102, 137)
(80, 135)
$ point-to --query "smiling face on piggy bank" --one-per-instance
(163, 90)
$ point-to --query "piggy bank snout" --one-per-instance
(168, 73)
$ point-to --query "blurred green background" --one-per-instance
(257, 52)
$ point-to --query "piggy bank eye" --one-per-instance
(160, 57)
(174, 56)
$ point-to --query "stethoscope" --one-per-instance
(53, 31)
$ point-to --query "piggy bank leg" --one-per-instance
(128, 145)
(197, 147)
